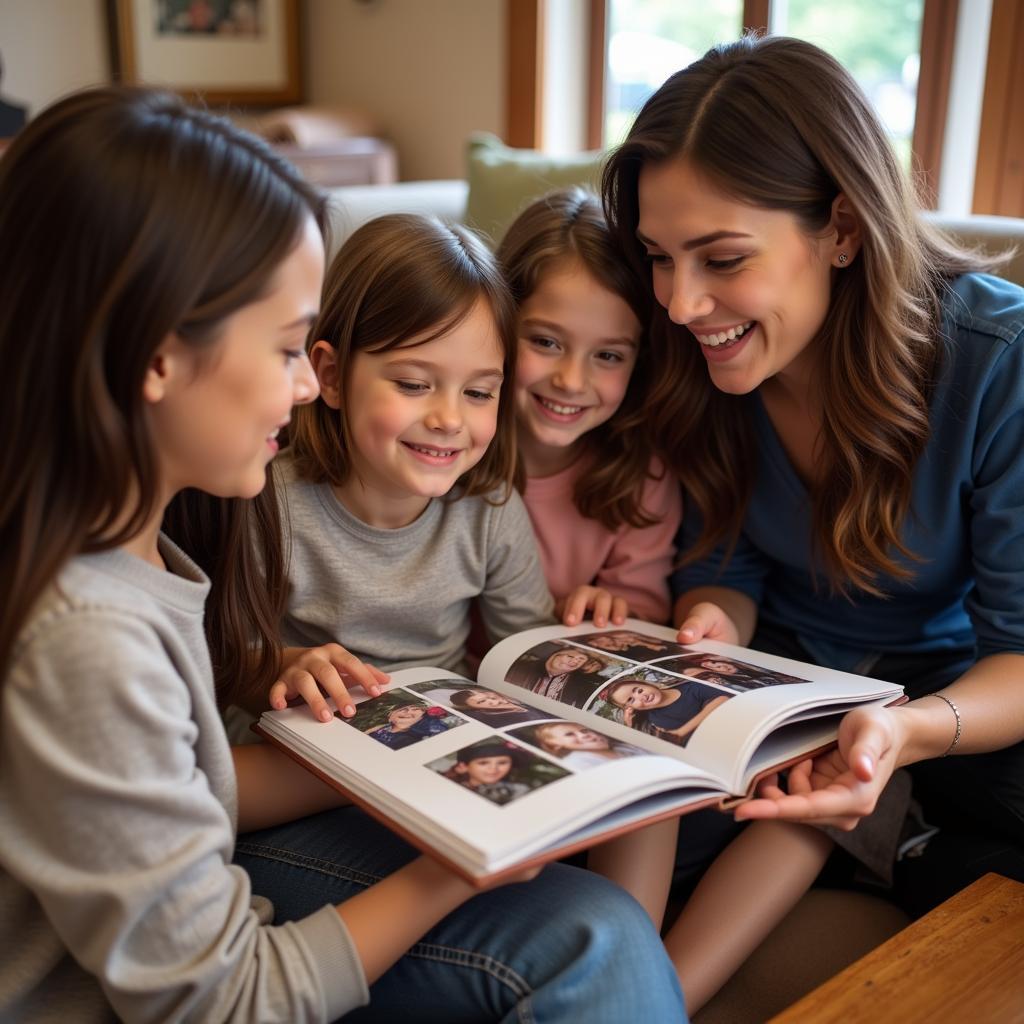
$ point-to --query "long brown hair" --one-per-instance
(570, 225)
(780, 124)
(397, 277)
(125, 216)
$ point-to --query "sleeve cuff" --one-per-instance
(335, 960)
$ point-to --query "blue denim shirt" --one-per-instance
(966, 522)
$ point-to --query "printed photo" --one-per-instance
(629, 644)
(578, 746)
(479, 703)
(563, 671)
(719, 670)
(671, 710)
(398, 719)
(208, 17)
(498, 770)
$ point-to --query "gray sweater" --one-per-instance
(401, 598)
(117, 822)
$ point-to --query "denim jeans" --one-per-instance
(567, 947)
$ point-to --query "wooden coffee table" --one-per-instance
(964, 961)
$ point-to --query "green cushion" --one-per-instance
(503, 180)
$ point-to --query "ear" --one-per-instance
(324, 360)
(164, 367)
(844, 244)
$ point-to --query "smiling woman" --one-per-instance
(869, 398)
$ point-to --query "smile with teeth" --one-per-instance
(724, 337)
(558, 407)
(431, 452)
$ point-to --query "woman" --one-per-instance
(843, 402)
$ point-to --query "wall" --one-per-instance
(429, 71)
(51, 47)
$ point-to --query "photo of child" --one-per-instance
(578, 746)
(722, 671)
(632, 645)
(563, 671)
(399, 719)
(497, 770)
(479, 703)
(671, 711)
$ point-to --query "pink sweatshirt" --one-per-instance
(633, 564)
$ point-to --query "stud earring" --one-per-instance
(843, 259)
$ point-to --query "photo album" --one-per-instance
(570, 736)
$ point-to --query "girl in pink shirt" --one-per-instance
(605, 513)
(603, 509)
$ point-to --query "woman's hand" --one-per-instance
(707, 621)
(840, 787)
(309, 672)
(603, 604)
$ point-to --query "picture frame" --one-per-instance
(225, 52)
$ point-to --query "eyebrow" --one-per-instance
(541, 322)
(696, 243)
(423, 364)
(306, 321)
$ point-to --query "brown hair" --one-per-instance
(806, 133)
(397, 277)
(569, 225)
(158, 218)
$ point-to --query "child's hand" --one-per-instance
(706, 621)
(574, 607)
(309, 671)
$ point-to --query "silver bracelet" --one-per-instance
(956, 711)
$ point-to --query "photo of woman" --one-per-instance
(398, 719)
(563, 671)
(723, 671)
(578, 746)
(632, 645)
(479, 703)
(670, 712)
(497, 770)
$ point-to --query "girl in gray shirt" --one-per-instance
(161, 269)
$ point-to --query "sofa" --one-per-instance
(828, 929)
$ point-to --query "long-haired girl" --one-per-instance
(604, 510)
(161, 271)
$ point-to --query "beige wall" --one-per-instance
(51, 47)
(429, 71)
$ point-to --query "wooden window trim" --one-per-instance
(524, 79)
(999, 175)
(938, 36)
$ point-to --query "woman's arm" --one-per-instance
(842, 786)
(715, 613)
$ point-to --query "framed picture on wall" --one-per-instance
(243, 52)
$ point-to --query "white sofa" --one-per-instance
(353, 205)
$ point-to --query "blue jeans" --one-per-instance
(568, 946)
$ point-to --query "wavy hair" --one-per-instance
(126, 215)
(398, 277)
(569, 226)
(780, 124)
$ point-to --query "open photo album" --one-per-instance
(568, 737)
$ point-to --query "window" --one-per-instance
(878, 43)
(648, 40)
